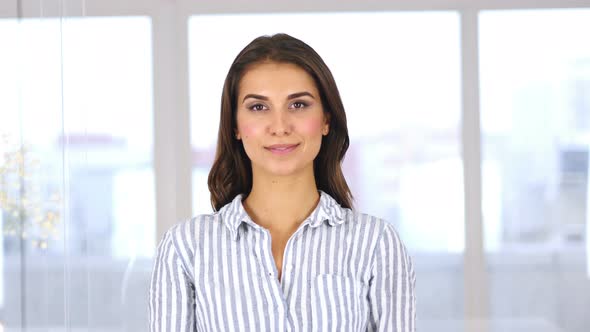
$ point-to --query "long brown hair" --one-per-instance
(231, 173)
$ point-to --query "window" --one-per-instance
(535, 74)
(78, 189)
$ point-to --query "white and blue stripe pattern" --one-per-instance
(342, 271)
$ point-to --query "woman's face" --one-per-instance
(280, 119)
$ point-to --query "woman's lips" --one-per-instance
(281, 149)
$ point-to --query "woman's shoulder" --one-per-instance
(362, 219)
(353, 218)
(183, 233)
(378, 226)
(192, 224)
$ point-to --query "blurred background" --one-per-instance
(470, 132)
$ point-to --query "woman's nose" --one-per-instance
(279, 124)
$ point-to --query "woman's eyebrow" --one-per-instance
(291, 96)
(300, 94)
(251, 95)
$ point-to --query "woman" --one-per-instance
(283, 251)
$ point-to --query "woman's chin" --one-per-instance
(285, 171)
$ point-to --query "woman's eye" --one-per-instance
(257, 107)
(299, 104)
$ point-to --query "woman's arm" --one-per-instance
(171, 296)
(391, 288)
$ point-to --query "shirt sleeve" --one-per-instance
(171, 294)
(392, 285)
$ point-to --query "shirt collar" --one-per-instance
(233, 214)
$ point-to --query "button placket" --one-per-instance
(274, 282)
(288, 267)
(267, 258)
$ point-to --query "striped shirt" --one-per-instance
(342, 271)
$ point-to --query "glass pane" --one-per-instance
(77, 180)
(399, 76)
(535, 101)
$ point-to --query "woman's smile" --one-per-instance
(281, 149)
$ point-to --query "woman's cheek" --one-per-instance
(312, 126)
(248, 130)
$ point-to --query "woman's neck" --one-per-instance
(280, 204)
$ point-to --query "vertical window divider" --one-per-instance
(476, 297)
(172, 150)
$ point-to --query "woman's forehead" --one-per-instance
(276, 79)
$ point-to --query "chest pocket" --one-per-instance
(338, 303)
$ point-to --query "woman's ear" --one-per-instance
(326, 126)
(237, 134)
